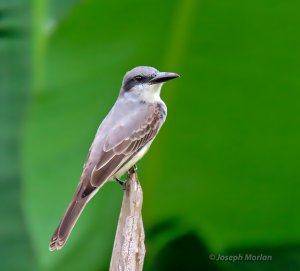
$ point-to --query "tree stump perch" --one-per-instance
(129, 248)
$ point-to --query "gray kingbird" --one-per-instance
(122, 139)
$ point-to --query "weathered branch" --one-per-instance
(129, 248)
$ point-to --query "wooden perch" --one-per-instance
(129, 248)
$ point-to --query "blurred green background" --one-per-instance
(223, 175)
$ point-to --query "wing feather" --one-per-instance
(113, 157)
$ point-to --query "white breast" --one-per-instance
(133, 160)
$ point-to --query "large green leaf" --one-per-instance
(225, 163)
(16, 251)
(227, 156)
(234, 126)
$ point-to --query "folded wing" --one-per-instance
(123, 143)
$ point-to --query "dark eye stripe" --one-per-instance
(136, 80)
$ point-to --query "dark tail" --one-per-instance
(70, 218)
(66, 225)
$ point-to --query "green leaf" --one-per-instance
(15, 247)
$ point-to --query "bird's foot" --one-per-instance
(122, 183)
(132, 170)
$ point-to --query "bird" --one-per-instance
(121, 140)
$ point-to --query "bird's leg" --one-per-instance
(132, 170)
(122, 183)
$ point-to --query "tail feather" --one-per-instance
(67, 223)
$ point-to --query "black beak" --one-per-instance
(163, 77)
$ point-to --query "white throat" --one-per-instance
(145, 92)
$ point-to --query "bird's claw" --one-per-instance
(132, 170)
(122, 183)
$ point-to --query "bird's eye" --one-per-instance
(138, 78)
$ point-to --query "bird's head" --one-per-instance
(144, 83)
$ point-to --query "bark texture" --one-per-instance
(129, 248)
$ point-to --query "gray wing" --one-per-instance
(124, 141)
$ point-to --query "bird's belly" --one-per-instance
(133, 161)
